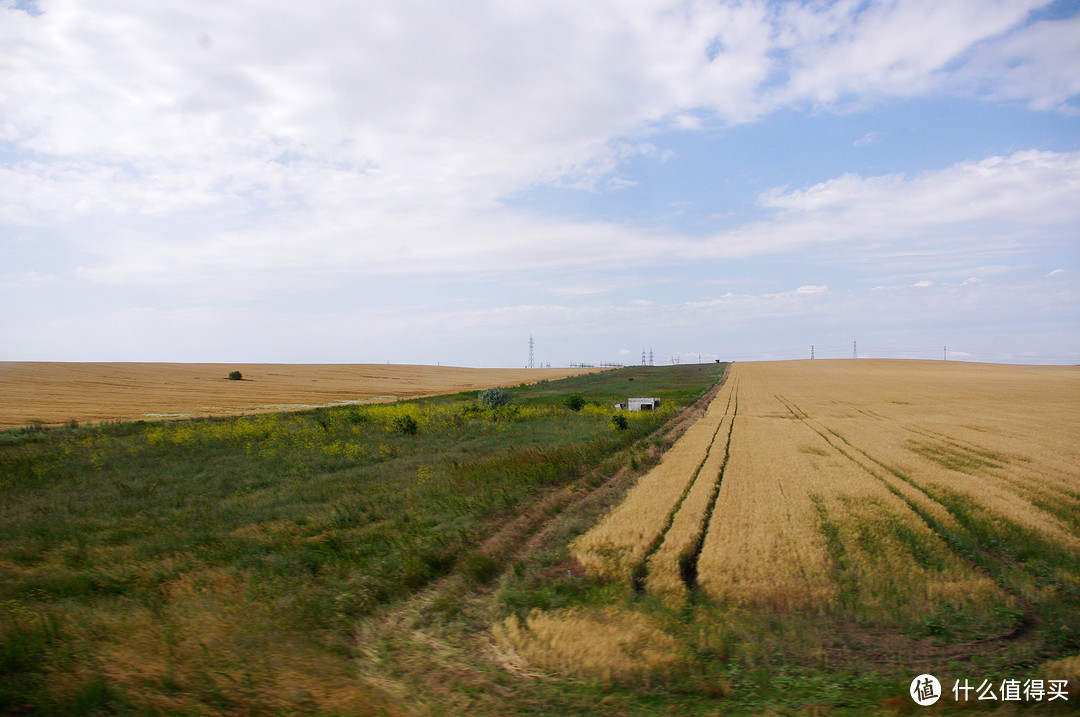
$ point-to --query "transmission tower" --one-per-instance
(532, 364)
(811, 351)
(650, 357)
(854, 349)
(642, 357)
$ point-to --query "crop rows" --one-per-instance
(669, 501)
(897, 493)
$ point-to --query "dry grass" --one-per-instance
(1067, 668)
(610, 644)
(54, 393)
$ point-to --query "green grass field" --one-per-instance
(227, 565)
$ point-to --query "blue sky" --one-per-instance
(418, 183)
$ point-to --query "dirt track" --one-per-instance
(93, 392)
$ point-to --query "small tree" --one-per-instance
(495, 397)
(575, 402)
(619, 422)
(235, 376)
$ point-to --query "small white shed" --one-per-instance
(639, 404)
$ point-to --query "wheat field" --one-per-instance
(808, 469)
(620, 543)
(929, 498)
(53, 393)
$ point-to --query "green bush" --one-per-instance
(619, 422)
(575, 402)
(235, 376)
(494, 397)
(405, 424)
(480, 568)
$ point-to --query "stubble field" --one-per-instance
(53, 393)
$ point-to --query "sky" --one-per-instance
(422, 182)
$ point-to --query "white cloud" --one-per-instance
(249, 149)
(988, 208)
(866, 140)
(685, 121)
(848, 50)
(1039, 64)
(962, 214)
(924, 283)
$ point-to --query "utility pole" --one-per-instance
(532, 364)
(854, 349)
(945, 353)
(642, 357)
(811, 352)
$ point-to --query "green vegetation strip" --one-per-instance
(190, 564)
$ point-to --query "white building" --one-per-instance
(639, 404)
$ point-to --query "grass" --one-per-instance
(223, 564)
(930, 571)
(331, 562)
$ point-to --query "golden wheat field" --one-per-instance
(53, 393)
(824, 448)
(892, 493)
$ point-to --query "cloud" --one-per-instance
(861, 51)
(866, 140)
(968, 215)
(252, 150)
(1039, 64)
(984, 209)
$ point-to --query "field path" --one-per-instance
(54, 393)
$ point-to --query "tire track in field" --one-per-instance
(999, 566)
(621, 543)
(641, 570)
(689, 576)
(1045, 492)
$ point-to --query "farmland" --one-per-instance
(54, 393)
(283, 562)
(843, 521)
(793, 537)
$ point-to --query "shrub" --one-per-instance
(575, 401)
(405, 424)
(494, 397)
(619, 422)
(235, 376)
(480, 568)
